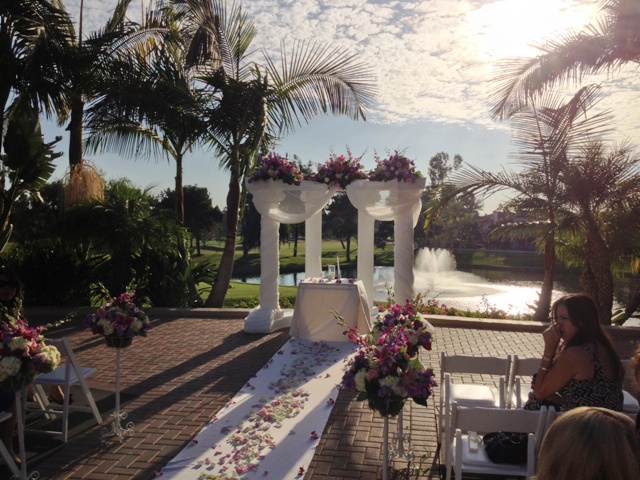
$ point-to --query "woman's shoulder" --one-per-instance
(576, 353)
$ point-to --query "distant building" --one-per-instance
(496, 218)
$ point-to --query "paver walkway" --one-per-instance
(189, 367)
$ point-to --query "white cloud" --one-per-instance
(432, 59)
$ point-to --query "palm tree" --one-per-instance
(601, 207)
(608, 45)
(27, 162)
(546, 136)
(32, 38)
(252, 104)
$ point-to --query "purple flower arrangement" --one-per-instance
(120, 318)
(386, 370)
(23, 354)
(339, 171)
(396, 167)
(275, 167)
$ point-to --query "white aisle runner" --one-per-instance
(271, 428)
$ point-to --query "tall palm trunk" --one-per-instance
(76, 131)
(225, 269)
(544, 301)
(598, 253)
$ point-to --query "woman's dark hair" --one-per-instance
(583, 313)
(13, 307)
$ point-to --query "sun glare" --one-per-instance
(510, 28)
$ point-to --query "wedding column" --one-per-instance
(313, 246)
(391, 200)
(277, 203)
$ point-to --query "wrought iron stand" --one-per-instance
(398, 447)
(116, 427)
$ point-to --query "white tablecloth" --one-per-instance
(312, 317)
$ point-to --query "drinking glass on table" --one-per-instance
(331, 272)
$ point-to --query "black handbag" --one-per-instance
(506, 447)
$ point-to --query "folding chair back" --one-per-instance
(468, 393)
(8, 459)
(67, 374)
(479, 420)
(518, 387)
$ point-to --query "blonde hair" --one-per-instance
(590, 443)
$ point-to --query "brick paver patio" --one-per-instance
(187, 368)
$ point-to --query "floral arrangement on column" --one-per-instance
(275, 167)
(23, 355)
(395, 167)
(119, 321)
(386, 369)
(339, 171)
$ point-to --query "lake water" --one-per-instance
(436, 275)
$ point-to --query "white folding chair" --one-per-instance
(630, 403)
(67, 374)
(8, 459)
(463, 457)
(467, 393)
(517, 387)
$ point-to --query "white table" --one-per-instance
(312, 317)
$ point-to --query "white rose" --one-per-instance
(9, 366)
(18, 343)
(360, 379)
(136, 326)
(106, 325)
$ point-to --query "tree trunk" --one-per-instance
(295, 240)
(225, 269)
(348, 249)
(76, 131)
(544, 301)
(598, 254)
(179, 191)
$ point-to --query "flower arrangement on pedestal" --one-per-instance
(119, 321)
(396, 167)
(339, 171)
(275, 167)
(23, 354)
(386, 370)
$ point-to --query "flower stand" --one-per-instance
(116, 427)
(395, 448)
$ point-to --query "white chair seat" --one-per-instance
(479, 458)
(57, 377)
(475, 395)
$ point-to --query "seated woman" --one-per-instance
(579, 366)
(589, 443)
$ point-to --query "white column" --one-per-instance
(403, 257)
(365, 252)
(313, 246)
(263, 318)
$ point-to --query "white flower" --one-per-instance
(360, 379)
(106, 325)
(9, 366)
(390, 381)
(136, 326)
(18, 343)
(51, 355)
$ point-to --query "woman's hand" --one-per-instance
(551, 339)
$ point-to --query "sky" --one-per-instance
(432, 62)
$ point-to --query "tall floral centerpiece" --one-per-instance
(339, 171)
(395, 167)
(119, 321)
(386, 370)
(24, 354)
(275, 167)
